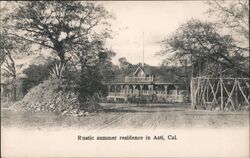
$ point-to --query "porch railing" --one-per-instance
(139, 79)
(170, 97)
(162, 94)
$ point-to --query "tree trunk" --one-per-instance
(14, 93)
(61, 55)
(14, 89)
(60, 51)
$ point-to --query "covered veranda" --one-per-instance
(168, 91)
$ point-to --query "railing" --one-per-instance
(169, 97)
(117, 94)
(139, 79)
(144, 93)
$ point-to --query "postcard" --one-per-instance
(125, 78)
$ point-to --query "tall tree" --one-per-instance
(233, 15)
(93, 54)
(74, 31)
(60, 25)
(125, 65)
(106, 66)
(200, 44)
(10, 48)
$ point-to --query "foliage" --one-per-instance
(200, 45)
(10, 48)
(60, 25)
(95, 69)
(75, 32)
(106, 68)
(233, 15)
(125, 66)
(90, 84)
(58, 70)
(92, 54)
(35, 74)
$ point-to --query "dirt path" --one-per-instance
(130, 117)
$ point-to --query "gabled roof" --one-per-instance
(162, 75)
(147, 69)
(138, 68)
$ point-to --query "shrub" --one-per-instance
(90, 86)
(35, 74)
(57, 71)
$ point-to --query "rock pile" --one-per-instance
(51, 96)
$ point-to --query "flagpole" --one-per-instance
(142, 48)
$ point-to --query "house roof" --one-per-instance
(162, 75)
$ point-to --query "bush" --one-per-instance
(58, 70)
(35, 74)
(90, 86)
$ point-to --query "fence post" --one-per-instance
(221, 91)
(191, 92)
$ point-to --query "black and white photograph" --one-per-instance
(125, 78)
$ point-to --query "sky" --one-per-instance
(157, 19)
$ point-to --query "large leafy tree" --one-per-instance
(233, 15)
(125, 66)
(60, 25)
(75, 31)
(205, 49)
(95, 68)
(10, 49)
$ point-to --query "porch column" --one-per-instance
(134, 88)
(122, 89)
(141, 87)
(166, 90)
(115, 88)
(176, 87)
(156, 89)
(115, 93)
(109, 87)
(127, 89)
(152, 89)
(149, 89)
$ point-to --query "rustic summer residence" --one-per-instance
(150, 83)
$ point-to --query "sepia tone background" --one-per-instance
(157, 20)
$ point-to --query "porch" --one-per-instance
(161, 92)
(139, 79)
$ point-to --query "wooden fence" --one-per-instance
(220, 93)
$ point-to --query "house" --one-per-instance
(150, 83)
